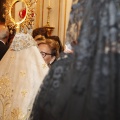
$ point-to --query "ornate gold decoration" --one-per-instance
(5, 96)
(44, 66)
(22, 73)
(22, 41)
(12, 57)
(24, 92)
(15, 113)
(48, 17)
(24, 24)
(47, 26)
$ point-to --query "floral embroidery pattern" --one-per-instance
(22, 41)
(6, 96)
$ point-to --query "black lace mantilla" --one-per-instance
(86, 85)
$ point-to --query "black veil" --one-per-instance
(86, 85)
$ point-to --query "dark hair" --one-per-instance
(42, 33)
(39, 31)
(56, 38)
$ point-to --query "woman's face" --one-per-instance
(46, 53)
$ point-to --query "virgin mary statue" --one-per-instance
(22, 70)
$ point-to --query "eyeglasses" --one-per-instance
(44, 54)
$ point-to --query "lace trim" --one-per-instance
(22, 41)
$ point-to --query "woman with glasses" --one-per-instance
(49, 50)
(88, 88)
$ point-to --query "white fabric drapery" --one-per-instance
(22, 71)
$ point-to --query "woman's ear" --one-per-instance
(52, 60)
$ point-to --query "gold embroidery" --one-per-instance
(22, 73)
(12, 57)
(15, 113)
(6, 96)
(22, 41)
(24, 92)
(44, 65)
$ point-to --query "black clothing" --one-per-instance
(88, 86)
(3, 49)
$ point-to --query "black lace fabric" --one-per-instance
(75, 21)
(86, 85)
